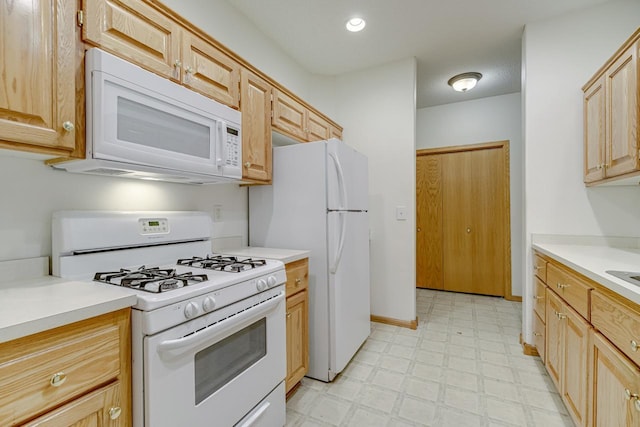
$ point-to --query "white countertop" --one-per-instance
(284, 255)
(37, 304)
(593, 260)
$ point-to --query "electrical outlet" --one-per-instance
(217, 213)
(401, 213)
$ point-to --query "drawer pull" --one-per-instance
(634, 345)
(628, 395)
(560, 315)
(298, 281)
(562, 285)
(58, 379)
(537, 334)
(539, 297)
(114, 413)
(536, 268)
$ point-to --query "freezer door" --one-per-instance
(349, 306)
(347, 177)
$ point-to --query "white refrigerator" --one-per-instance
(318, 201)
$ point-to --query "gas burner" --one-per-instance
(152, 279)
(229, 264)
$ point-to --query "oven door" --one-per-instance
(218, 374)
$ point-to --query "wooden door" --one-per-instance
(554, 338)
(613, 375)
(429, 261)
(256, 127)
(574, 375)
(135, 31)
(297, 338)
(37, 69)
(209, 71)
(622, 119)
(289, 116)
(594, 131)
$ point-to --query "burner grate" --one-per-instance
(152, 279)
(229, 264)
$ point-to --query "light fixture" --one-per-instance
(356, 24)
(465, 81)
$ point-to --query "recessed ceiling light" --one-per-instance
(355, 24)
(464, 82)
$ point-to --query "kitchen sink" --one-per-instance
(632, 277)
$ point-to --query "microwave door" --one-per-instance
(133, 124)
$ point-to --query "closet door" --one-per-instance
(429, 268)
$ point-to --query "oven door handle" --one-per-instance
(214, 332)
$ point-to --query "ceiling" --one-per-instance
(447, 37)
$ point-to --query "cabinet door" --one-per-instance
(297, 338)
(538, 336)
(612, 376)
(256, 127)
(135, 31)
(622, 118)
(574, 374)
(209, 71)
(554, 338)
(37, 78)
(594, 131)
(100, 408)
(318, 128)
(289, 116)
(336, 133)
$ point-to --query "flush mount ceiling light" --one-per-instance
(465, 81)
(356, 24)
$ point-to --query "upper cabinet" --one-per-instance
(37, 69)
(611, 117)
(141, 34)
(256, 127)
(292, 118)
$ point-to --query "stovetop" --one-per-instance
(158, 286)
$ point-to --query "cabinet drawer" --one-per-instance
(539, 300)
(538, 335)
(297, 276)
(572, 289)
(540, 268)
(618, 322)
(43, 371)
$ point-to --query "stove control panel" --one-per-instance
(153, 225)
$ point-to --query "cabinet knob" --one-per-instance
(188, 69)
(560, 315)
(628, 395)
(562, 285)
(177, 63)
(634, 345)
(298, 281)
(538, 297)
(58, 379)
(247, 165)
(68, 126)
(114, 413)
(537, 334)
(536, 268)
(288, 315)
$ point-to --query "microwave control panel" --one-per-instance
(233, 147)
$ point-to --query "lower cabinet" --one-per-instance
(615, 386)
(297, 322)
(78, 374)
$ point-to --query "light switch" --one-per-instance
(217, 213)
(401, 213)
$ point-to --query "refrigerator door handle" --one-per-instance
(341, 183)
(336, 261)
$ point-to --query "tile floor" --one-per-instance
(463, 366)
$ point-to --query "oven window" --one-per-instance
(220, 363)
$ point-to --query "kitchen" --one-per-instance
(30, 191)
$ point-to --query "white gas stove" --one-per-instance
(208, 329)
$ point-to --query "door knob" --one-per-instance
(419, 229)
(468, 229)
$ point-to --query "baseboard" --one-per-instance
(528, 349)
(411, 324)
(513, 298)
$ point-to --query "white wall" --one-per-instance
(31, 191)
(497, 118)
(559, 56)
(377, 109)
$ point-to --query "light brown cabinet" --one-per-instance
(291, 117)
(611, 117)
(69, 374)
(615, 385)
(37, 87)
(566, 351)
(297, 322)
(143, 35)
(255, 105)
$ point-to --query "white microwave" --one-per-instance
(141, 125)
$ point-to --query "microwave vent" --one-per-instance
(106, 171)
